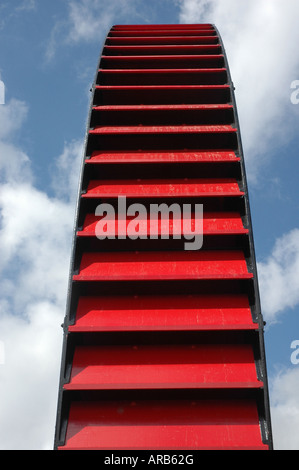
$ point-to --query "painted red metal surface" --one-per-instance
(163, 312)
(167, 366)
(165, 424)
(161, 32)
(177, 107)
(129, 40)
(162, 129)
(163, 345)
(166, 26)
(158, 188)
(163, 265)
(161, 157)
(161, 107)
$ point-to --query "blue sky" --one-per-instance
(48, 56)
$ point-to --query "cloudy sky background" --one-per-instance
(48, 55)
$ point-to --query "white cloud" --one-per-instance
(29, 376)
(279, 288)
(285, 409)
(88, 21)
(261, 40)
(279, 277)
(54, 40)
(14, 163)
(12, 117)
(91, 19)
(67, 170)
(35, 235)
(35, 240)
(193, 11)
